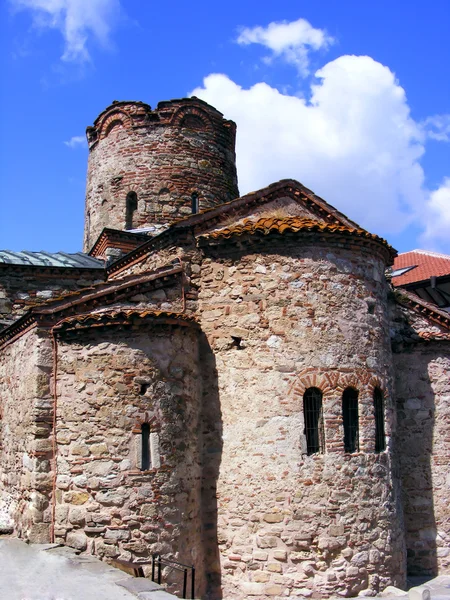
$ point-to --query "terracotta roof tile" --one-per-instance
(269, 225)
(426, 264)
(426, 309)
(114, 317)
(434, 336)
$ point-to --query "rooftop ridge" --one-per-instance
(428, 252)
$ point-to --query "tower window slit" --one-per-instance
(194, 203)
(131, 208)
(378, 406)
(313, 415)
(145, 446)
(350, 416)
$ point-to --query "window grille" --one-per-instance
(313, 414)
(351, 419)
(378, 405)
(145, 446)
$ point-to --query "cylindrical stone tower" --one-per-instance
(150, 167)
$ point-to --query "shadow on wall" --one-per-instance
(212, 455)
(416, 426)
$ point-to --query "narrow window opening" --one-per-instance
(351, 420)
(194, 203)
(131, 208)
(378, 405)
(313, 414)
(145, 446)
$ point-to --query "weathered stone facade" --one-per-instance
(21, 287)
(26, 445)
(166, 409)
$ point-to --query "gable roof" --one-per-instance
(425, 265)
(213, 217)
(116, 238)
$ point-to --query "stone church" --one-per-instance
(232, 382)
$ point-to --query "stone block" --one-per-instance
(117, 534)
(273, 517)
(273, 590)
(77, 498)
(77, 516)
(260, 577)
(303, 592)
(252, 589)
(268, 541)
(39, 533)
(110, 498)
(76, 540)
(421, 592)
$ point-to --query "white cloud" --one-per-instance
(438, 127)
(353, 143)
(291, 41)
(437, 218)
(77, 20)
(77, 141)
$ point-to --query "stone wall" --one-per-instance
(279, 322)
(109, 383)
(26, 448)
(423, 406)
(20, 289)
(161, 156)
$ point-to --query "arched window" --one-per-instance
(351, 419)
(192, 122)
(194, 203)
(131, 208)
(312, 411)
(145, 446)
(378, 407)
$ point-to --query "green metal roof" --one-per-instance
(78, 260)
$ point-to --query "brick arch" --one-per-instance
(145, 418)
(200, 116)
(375, 382)
(334, 382)
(111, 121)
(166, 185)
(313, 378)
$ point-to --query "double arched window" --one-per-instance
(313, 415)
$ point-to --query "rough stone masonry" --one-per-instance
(238, 389)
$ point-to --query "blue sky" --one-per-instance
(351, 98)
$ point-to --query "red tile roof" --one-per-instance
(426, 265)
(115, 317)
(267, 225)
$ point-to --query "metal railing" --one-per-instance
(158, 562)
